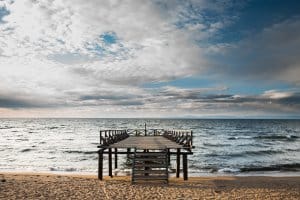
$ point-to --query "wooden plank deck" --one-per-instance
(146, 142)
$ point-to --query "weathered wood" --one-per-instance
(128, 152)
(150, 168)
(150, 159)
(164, 177)
(146, 142)
(178, 163)
(192, 139)
(150, 171)
(185, 167)
(152, 154)
(116, 158)
(153, 142)
(168, 157)
(150, 165)
(100, 164)
(110, 162)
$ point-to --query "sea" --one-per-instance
(222, 146)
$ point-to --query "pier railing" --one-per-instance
(145, 132)
(183, 137)
(108, 137)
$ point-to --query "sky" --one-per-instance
(152, 58)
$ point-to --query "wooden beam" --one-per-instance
(169, 157)
(178, 163)
(185, 167)
(100, 164)
(116, 158)
(110, 162)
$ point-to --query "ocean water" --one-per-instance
(222, 147)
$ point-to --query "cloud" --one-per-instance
(271, 54)
(79, 56)
(161, 101)
(115, 42)
(215, 100)
(21, 100)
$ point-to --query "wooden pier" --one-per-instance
(150, 150)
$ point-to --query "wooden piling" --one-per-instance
(100, 164)
(110, 162)
(116, 158)
(185, 167)
(169, 157)
(178, 163)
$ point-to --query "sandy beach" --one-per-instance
(50, 186)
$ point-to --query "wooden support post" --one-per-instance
(116, 158)
(110, 162)
(169, 157)
(128, 153)
(185, 167)
(191, 139)
(100, 164)
(100, 137)
(146, 162)
(178, 163)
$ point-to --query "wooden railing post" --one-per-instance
(100, 164)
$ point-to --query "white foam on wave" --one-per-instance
(229, 170)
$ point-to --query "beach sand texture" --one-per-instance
(49, 186)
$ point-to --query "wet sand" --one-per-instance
(51, 186)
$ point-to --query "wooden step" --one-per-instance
(150, 166)
(150, 159)
(138, 165)
(151, 154)
(150, 177)
(158, 171)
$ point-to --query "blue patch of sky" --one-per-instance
(187, 82)
(3, 12)
(96, 49)
(101, 46)
(109, 38)
(232, 86)
(256, 15)
(254, 87)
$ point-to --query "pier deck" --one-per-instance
(151, 142)
(146, 142)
